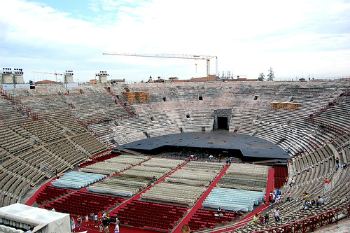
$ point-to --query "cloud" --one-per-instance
(294, 37)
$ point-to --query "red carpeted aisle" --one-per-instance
(200, 201)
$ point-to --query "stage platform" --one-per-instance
(249, 146)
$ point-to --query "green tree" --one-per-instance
(261, 77)
(270, 75)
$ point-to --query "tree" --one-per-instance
(261, 77)
(270, 75)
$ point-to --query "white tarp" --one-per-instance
(53, 221)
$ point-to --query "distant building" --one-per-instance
(159, 80)
(46, 82)
(117, 80)
(93, 81)
(173, 79)
(200, 79)
(238, 78)
(205, 79)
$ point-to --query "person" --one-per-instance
(219, 213)
(100, 226)
(105, 223)
(327, 184)
(30, 230)
(262, 220)
(95, 219)
(231, 160)
(292, 182)
(272, 197)
(276, 214)
(320, 201)
(72, 223)
(278, 198)
(307, 205)
(185, 229)
(313, 202)
(79, 221)
(211, 157)
(278, 192)
(154, 179)
(255, 218)
(306, 196)
(337, 164)
(99, 216)
(116, 228)
(266, 218)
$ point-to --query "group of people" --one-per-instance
(261, 219)
(219, 213)
(338, 164)
(275, 196)
(312, 202)
(102, 221)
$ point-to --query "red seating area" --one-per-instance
(50, 193)
(151, 216)
(281, 172)
(205, 218)
(84, 203)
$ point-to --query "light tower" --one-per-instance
(68, 76)
(18, 76)
(102, 76)
(6, 76)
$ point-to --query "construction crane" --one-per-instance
(56, 74)
(207, 58)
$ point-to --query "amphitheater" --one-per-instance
(74, 151)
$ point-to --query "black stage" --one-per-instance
(247, 146)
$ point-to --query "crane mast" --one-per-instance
(207, 58)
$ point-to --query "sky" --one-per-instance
(299, 38)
